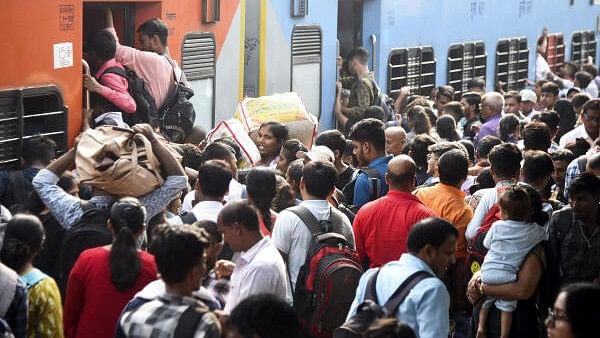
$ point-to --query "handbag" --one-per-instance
(117, 161)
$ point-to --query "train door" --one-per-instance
(350, 27)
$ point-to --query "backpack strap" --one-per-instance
(311, 222)
(370, 292)
(374, 180)
(188, 322)
(403, 290)
(114, 70)
(17, 184)
(33, 277)
(188, 218)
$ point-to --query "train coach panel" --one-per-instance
(40, 86)
(440, 23)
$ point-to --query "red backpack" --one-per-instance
(475, 250)
(327, 282)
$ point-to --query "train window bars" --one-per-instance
(583, 44)
(306, 74)
(555, 53)
(211, 11)
(465, 62)
(198, 62)
(25, 113)
(512, 61)
(414, 67)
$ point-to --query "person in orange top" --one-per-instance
(448, 201)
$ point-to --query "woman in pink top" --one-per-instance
(112, 86)
(104, 279)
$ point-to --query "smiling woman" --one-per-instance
(269, 140)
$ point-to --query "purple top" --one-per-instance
(490, 127)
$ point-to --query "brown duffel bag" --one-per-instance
(117, 161)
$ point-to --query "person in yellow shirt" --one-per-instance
(23, 239)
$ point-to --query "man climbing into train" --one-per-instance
(158, 72)
(363, 89)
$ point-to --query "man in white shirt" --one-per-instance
(211, 186)
(290, 234)
(259, 269)
(588, 129)
(219, 151)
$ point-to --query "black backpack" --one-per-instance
(20, 189)
(91, 231)
(370, 310)
(177, 114)
(347, 206)
(146, 111)
(326, 284)
(386, 103)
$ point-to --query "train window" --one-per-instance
(211, 11)
(583, 44)
(413, 67)
(465, 62)
(28, 112)
(299, 8)
(555, 53)
(512, 61)
(306, 65)
(198, 57)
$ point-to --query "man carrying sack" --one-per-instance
(68, 209)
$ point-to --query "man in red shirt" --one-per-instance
(381, 227)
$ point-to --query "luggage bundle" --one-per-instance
(117, 161)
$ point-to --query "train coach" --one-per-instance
(229, 49)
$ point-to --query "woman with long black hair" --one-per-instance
(23, 238)
(104, 279)
(261, 185)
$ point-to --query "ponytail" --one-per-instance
(261, 185)
(265, 212)
(23, 237)
(125, 263)
(15, 254)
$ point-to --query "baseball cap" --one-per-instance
(317, 153)
(528, 95)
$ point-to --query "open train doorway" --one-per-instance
(350, 27)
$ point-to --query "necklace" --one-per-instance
(587, 239)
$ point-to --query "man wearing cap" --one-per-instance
(528, 101)
(290, 235)
(317, 153)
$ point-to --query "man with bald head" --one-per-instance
(491, 112)
(395, 140)
(381, 227)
